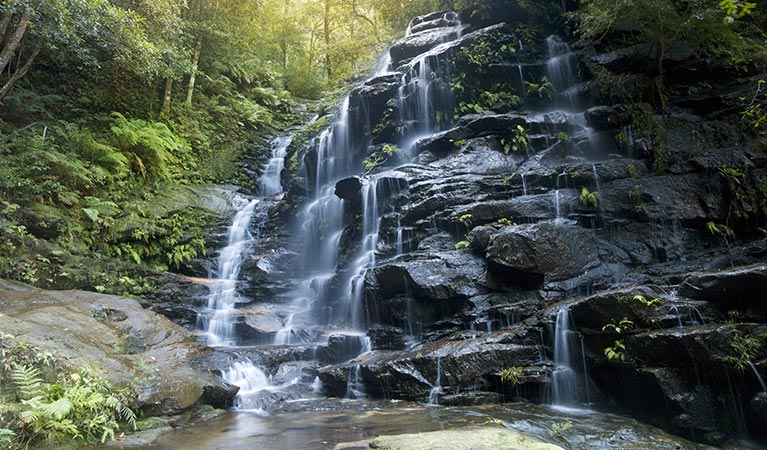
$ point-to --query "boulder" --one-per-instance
(349, 189)
(740, 289)
(119, 340)
(546, 251)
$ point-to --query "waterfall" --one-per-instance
(252, 382)
(437, 388)
(270, 180)
(566, 386)
(217, 319)
(355, 386)
(758, 377)
(557, 212)
(562, 70)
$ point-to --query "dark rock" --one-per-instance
(543, 251)
(340, 348)
(417, 44)
(386, 338)
(607, 118)
(739, 289)
(349, 189)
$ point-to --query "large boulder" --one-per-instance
(119, 340)
(740, 289)
(546, 251)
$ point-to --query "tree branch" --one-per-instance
(20, 72)
(13, 42)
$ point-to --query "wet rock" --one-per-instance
(349, 189)
(470, 398)
(494, 437)
(739, 289)
(418, 43)
(386, 338)
(607, 117)
(117, 338)
(535, 253)
(340, 347)
(464, 362)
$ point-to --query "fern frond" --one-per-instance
(27, 380)
(128, 416)
(59, 409)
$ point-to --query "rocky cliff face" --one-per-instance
(533, 234)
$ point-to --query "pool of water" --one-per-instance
(326, 424)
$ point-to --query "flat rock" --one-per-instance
(493, 437)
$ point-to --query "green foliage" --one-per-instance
(461, 245)
(79, 405)
(517, 141)
(506, 221)
(720, 230)
(755, 112)
(616, 352)
(645, 126)
(736, 9)
(621, 327)
(464, 219)
(588, 198)
(149, 146)
(744, 349)
(651, 303)
(512, 375)
(543, 90)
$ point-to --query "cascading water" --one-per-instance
(251, 380)
(217, 319)
(424, 91)
(566, 382)
(437, 388)
(562, 70)
(270, 180)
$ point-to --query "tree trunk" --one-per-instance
(4, 24)
(167, 94)
(20, 72)
(326, 30)
(195, 63)
(13, 41)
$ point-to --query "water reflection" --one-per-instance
(323, 424)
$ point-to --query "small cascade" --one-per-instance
(425, 97)
(270, 180)
(758, 377)
(437, 387)
(557, 211)
(566, 385)
(217, 319)
(562, 70)
(252, 382)
(355, 386)
(400, 232)
(524, 185)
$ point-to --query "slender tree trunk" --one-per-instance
(167, 94)
(13, 41)
(20, 72)
(326, 30)
(4, 24)
(192, 76)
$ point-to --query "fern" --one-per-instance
(148, 145)
(28, 381)
(7, 436)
